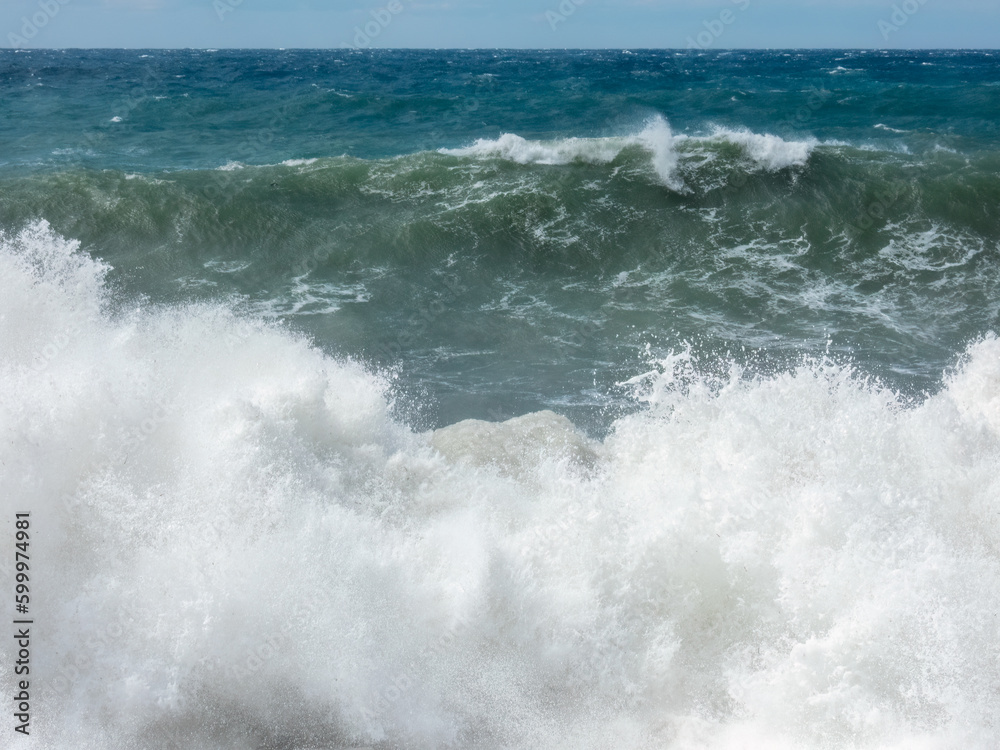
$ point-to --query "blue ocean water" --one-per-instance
(631, 398)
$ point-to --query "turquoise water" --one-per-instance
(494, 399)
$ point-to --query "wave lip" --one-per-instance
(770, 152)
(656, 138)
(667, 151)
(522, 151)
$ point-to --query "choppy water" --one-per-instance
(728, 317)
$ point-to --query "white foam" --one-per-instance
(768, 151)
(841, 70)
(668, 152)
(658, 139)
(565, 151)
(934, 249)
(236, 546)
(655, 137)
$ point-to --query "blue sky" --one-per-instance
(500, 23)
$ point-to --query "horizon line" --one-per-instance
(349, 48)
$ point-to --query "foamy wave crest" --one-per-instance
(767, 151)
(517, 149)
(667, 152)
(656, 138)
(238, 547)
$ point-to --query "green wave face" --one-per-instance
(732, 239)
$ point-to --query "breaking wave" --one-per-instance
(665, 149)
(241, 547)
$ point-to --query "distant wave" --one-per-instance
(765, 151)
(656, 138)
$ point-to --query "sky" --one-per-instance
(706, 24)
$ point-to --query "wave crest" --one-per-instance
(667, 151)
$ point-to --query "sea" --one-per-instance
(501, 399)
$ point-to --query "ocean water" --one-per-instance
(503, 399)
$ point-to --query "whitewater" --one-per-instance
(761, 150)
(241, 546)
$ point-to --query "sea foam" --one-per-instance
(667, 151)
(767, 151)
(655, 137)
(237, 546)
